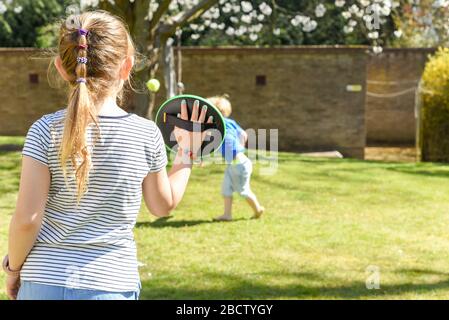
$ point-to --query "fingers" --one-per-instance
(196, 115)
(184, 112)
(203, 114)
(210, 120)
(195, 111)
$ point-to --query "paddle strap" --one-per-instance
(188, 125)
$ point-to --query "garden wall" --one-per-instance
(302, 91)
(392, 80)
(25, 93)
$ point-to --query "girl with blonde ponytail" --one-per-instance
(80, 112)
(85, 169)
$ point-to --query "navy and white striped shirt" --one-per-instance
(91, 246)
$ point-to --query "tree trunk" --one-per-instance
(134, 13)
(179, 85)
(151, 38)
(140, 33)
(151, 103)
(169, 68)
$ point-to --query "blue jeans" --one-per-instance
(36, 291)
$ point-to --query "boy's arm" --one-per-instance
(243, 136)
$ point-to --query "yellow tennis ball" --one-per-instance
(153, 85)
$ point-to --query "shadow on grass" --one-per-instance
(245, 288)
(338, 175)
(284, 185)
(10, 147)
(167, 223)
(420, 272)
(441, 172)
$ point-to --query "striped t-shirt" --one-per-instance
(91, 245)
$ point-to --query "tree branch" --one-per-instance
(188, 15)
(161, 10)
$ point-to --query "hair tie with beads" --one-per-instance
(83, 46)
(82, 60)
(83, 32)
(81, 80)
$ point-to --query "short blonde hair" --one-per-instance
(222, 103)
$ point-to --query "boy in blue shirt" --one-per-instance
(239, 167)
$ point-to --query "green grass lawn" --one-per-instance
(326, 222)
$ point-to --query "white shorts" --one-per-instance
(237, 177)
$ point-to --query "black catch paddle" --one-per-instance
(167, 119)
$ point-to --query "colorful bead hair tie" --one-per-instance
(83, 32)
(81, 80)
(83, 46)
(81, 60)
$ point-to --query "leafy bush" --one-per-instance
(434, 111)
(24, 29)
(47, 36)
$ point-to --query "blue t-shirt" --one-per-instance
(231, 145)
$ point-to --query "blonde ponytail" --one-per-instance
(92, 46)
(80, 113)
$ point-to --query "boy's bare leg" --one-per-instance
(227, 216)
(255, 205)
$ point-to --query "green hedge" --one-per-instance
(434, 109)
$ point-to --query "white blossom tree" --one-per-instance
(164, 18)
(423, 23)
(248, 19)
(155, 24)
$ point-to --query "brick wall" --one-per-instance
(22, 100)
(390, 102)
(304, 95)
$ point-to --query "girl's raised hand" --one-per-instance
(190, 142)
